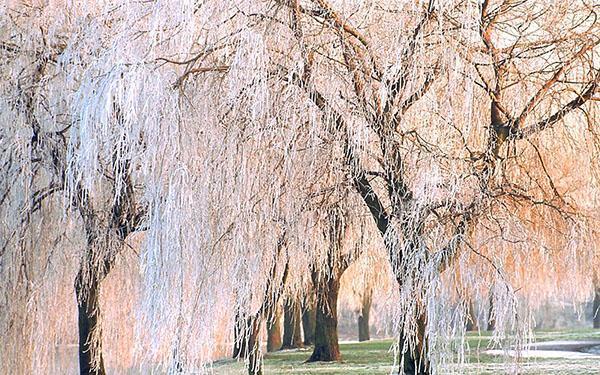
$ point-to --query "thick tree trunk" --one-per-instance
(101, 253)
(309, 322)
(363, 317)
(274, 331)
(596, 306)
(471, 317)
(292, 330)
(327, 348)
(91, 361)
(414, 359)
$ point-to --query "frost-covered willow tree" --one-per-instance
(368, 290)
(72, 123)
(100, 141)
(421, 114)
(438, 140)
(188, 148)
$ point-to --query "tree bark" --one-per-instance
(292, 331)
(414, 359)
(363, 317)
(491, 325)
(274, 331)
(596, 306)
(91, 361)
(327, 348)
(309, 322)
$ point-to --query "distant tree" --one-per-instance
(274, 330)
(363, 316)
(596, 304)
(491, 320)
(309, 316)
(292, 328)
(472, 323)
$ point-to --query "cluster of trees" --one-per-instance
(192, 165)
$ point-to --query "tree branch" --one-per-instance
(574, 104)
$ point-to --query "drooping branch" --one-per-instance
(358, 175)
(574, 104)
(394, 88)
(329, 13)
(537, 97)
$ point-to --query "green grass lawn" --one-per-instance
(375, 357)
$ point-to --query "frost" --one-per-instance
(183, 154)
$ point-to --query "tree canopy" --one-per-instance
(180, 160)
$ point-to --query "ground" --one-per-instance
(375, 357)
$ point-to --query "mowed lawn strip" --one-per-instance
(376, 357)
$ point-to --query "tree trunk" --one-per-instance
(596, 306)
(241, 333)
(309, 322)
(101, 253)
(254, 362)
(491, 325)
(297, 336)
(327, 348)
(414, 359)
(363, 317)
(91, 361)
(238, 330)
(471, 317)
(292, 331)
(274, 331)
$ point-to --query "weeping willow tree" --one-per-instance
(430, 167)
(368, 290)
(187, 151)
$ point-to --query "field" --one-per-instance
(375, 357)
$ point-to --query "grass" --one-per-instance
(375, 357)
